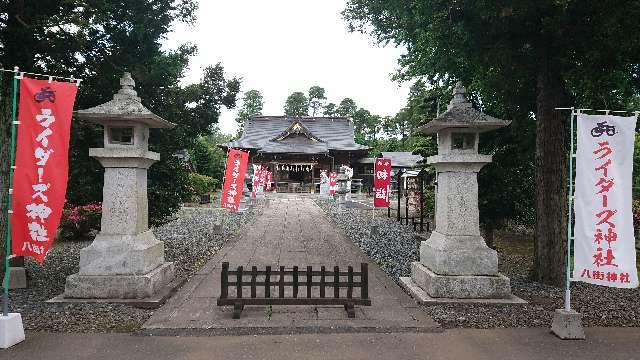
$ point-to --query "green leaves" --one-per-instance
(252, 104)
(316, 99)
(297, 105)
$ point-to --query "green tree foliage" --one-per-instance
(252, 104)
(90, 40)
(330, 110)
(317, 99)
(347, 107)
(297, 105)
(525, 57)
(98, 41)
(194, 109)
(366, 125)
(207, 157)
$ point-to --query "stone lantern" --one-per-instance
(342, 184)
(125, 261)
(455, 262)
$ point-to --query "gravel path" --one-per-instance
(190, 240)
(395, 247)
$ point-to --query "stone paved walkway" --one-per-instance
(291, 231)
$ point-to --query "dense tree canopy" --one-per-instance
(347, 107)
(252, 104)
(521, 58)
(97, 41)
(297, 105)
(316, 99)
(329, 109)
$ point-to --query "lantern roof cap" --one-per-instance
(460, 114)
(125, 106)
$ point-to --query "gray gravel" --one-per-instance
(394, 248)
(189, 243)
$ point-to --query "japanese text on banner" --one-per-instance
(381, 182)
(332, 183)
(604, 250)
(234, 179)
(40, 178)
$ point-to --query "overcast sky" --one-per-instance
(282, 46)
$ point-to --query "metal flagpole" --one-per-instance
(5, 294)
(567, 291)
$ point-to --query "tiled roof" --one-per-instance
(331, 133)
(402, 158)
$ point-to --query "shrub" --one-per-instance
(79, 221)
(202, 184)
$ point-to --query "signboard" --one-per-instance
(381, 182)
(234, 179)
(42, 165)
(604, 250)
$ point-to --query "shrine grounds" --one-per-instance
(99, 330)
(190, 240)
(395, 246)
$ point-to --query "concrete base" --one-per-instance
(458, 255)
(122, 254)
(155, 301)
(567, 325)
(421, 297)
(11, 330)
(119, 286)
(17, 278)
(461, 286)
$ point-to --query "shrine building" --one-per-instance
(297, 149)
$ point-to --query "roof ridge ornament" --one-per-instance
(459, 97)
(299, 128)
(127, 91)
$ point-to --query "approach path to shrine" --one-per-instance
(292, 230)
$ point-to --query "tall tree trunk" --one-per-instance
(551, 179)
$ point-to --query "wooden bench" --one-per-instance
(255, 287)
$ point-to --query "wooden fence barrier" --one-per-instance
(253, 287)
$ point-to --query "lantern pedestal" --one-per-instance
(122, 286)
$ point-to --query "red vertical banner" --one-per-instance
(255, 181)
(234, 179)
(263, 178)
(42, 165)
(332, 183)
(381, 182)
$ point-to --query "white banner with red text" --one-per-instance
(604, 248)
